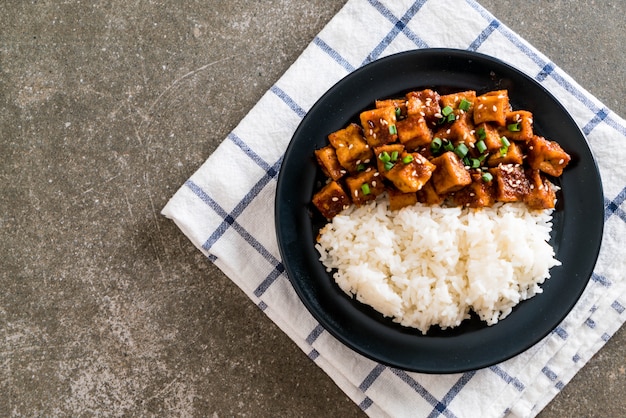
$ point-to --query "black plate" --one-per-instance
(577, 224)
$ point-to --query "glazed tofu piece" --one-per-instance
(399, 200)
(450, 174)
(511, 154)
(492, 107)
(410, 172)
(365, 186)
(413, 132)
(327, 160)
(519, 126)
(462, 130)
(541, 194)
(479, 193)
(455, 101)
(489, 135)
(331, 199)
(379, 126)
(424, 103)
(351, 148)
(428, 195)
(387, 155)
(547, 156)
(510, 182)
(400, 106)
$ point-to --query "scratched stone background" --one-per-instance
(106, 108)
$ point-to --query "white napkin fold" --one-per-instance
(226, 209)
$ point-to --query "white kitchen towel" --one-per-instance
(226, 209)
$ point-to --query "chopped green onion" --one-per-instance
(487, 177)
(394, 156)
(481, 147)
(384, 157)
(514, 127)
(448, 146)
(451, 117)
(465, 105)
(360, 167)
(407, 159)
(365, 188)
(446, 111)
(388, 165)
(435, 145)
(393, 130)
(481, 133)
(475, 163)
(504, 149)
(398, 112)
(461, 150)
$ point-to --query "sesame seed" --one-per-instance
(480, 106)
(356, 192)
(367, 161)
(376, 174)
(373, 183)
(448, 131)
(350, 146)
(358, 162)
(495, 108)
(335, 199)
(472, 194)
(438, 115)
(561, 161)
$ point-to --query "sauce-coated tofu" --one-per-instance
(351, 148)
(492, 107)
(327, 159)
(455, 99)
(331, 200)
(410, 172)
(519, 126)
(365, 186)
(511, 155)
(413, 132)
(541, 194)
(478, 194)
(379, 126)
(399, 200)
(511, 183)
(424, 103)
(547, 156)
(428, 195)
(450, 174)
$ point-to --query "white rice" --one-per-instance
(430, 265)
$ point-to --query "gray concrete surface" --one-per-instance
(106, 108)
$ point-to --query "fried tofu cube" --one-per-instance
(450, 174)
(511, 183)
(351, 148)
(428, 195)
(506, 155)
(478, 194)
(462, 130)
(454, 101)
(424, 103)
(399, 200)
(547, 156)
(327, 160)
(379, 126)
(365, 186)
(541, 194)
(519, 126)
(387, 155)
(489, 135)
(410, 172)
(400, 106)
(492, 107)
(331, 199)
(413, 132)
